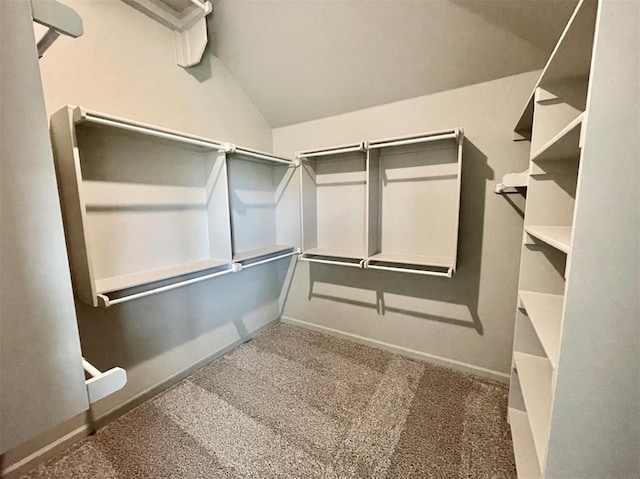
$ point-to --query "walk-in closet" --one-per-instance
(308, 239)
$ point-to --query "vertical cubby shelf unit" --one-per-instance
(260, 219)
(389, 204)
(147, 209)
(552, 121)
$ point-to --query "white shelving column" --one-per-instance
(574, 398)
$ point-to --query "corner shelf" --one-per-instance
(545, 313)
(557, 236)
(535, 376)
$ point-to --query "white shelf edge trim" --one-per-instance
(511, 181)
(328, 261)
(333, 151)
(105, 302)
(103, 384)
(448, 274)
(242, 266)
(262, 156)
(454, 135)
(93, 117)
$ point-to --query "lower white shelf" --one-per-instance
(523, 447)
(535, 375)
(557, 236)
(258, 253)
(118, 283)
(545, 313)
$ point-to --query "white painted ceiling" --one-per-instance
(300, 60)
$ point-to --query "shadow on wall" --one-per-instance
(225, 309)
(396, 292)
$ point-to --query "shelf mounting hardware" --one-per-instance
(59, 18)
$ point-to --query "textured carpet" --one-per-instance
(295, 403)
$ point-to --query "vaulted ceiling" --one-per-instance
(300, 60)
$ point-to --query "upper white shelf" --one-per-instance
(557, 236)
(570, 59)
(545, 313)
(565, 145)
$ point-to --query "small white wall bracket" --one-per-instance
(189, 26)
(59, 18)
(102, 384)
(512, 181)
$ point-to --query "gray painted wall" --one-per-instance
(41, 377)
(125, 65)
(466, 321)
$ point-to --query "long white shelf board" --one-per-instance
(117, 283)
(564, 146)
(524, 450)
(557, 236)
(438, 261)
(335, 253)
(545, 312)
(259, 252)
(535, 376)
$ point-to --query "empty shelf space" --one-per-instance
(418, 260)
(335, 253)
(524, 450)
(261, 252)
(545, 312)
(117, 283)
(564, 146)
(557, 236)
(535, 375)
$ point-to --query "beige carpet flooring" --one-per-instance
(297, 404)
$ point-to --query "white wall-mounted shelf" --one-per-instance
(334, 203)
(565, 145)
(259, 216)
(557, 236)
(390, 204)
(148, 209)
(511, 182)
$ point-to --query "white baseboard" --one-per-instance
(410, 353)
(59, 445)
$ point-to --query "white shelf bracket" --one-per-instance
(511, 181)
(191, 43)
(102, 384)
(59, 18)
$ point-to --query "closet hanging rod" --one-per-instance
(140, 128)
(448, 274)
(412, 141)
(328, 261)
(106, 302)
(102, 384)
(334, 151)
(261, 156)
(269, 260)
